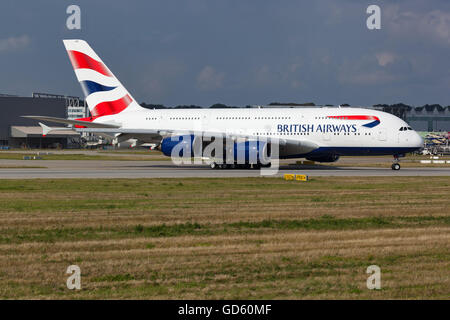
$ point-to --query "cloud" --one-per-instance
(209, 79)
(438, 24)
(385, 58)
(294, 67)
(367, 79)
(429, 25)
(157, 80)
(263, 76)
(14, 43)
(369, 71)
(296, 84)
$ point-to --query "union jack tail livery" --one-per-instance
(104, 93)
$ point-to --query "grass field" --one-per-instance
(226, 238)
(21, 167)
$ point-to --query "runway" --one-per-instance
(94, 169)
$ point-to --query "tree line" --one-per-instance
(398, 108)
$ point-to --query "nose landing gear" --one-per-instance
(396, 165)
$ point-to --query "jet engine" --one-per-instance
(181, 143)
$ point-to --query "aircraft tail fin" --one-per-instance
(104, 93)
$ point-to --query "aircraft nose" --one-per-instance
(417, 140)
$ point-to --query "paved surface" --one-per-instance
(165, 169)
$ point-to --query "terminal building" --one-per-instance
(434, 119)
(427, 118)
(18, 132)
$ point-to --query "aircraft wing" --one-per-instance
(302, 146)
(287, 146)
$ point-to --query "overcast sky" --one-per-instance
(236, 52)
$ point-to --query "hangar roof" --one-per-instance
(24, 132)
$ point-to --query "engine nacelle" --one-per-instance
(181, 143)
(324, 158)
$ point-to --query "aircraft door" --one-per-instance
(382, 135)
(204, 122)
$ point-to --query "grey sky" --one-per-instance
(236, 52)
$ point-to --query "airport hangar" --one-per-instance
(18, 132)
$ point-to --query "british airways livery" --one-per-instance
(321, 134)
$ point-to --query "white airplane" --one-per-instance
(320, 134)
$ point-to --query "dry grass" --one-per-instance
(226, 238)
(21, 167)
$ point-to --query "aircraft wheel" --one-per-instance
(395, 166)
(213, 165)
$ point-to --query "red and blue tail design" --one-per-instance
(376, 121)
(105, 95)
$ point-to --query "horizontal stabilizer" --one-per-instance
(73, 122)
(46, 129)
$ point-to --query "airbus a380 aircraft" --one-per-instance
(321, 134)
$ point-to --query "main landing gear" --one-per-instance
(396, 164)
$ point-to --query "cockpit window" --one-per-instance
(409, 128)
(405, 128)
